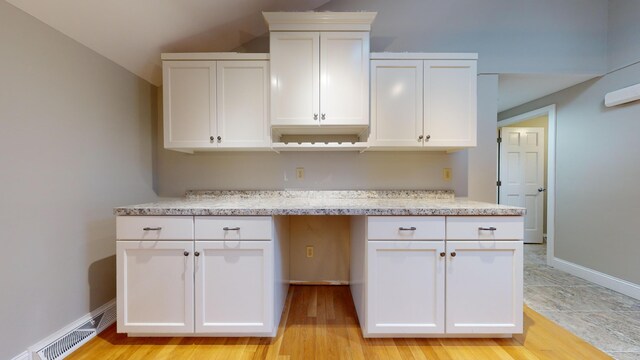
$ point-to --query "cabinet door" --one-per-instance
(405, 291)
(242, 102)
(396, 102)
(295, 78)
(450, 98)
(155, 286)
(344, 78)
(484, 287)
(234, 287)
(189, 92)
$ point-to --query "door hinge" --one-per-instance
(499, 183)
(499, 140)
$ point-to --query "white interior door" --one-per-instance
(522, 176)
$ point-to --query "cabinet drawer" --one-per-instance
(154, 227)
(233, 228)
(406, 227)
(485, 227)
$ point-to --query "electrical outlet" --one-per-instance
(300, 173)
(309, 251)
(446, 174)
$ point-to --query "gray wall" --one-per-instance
(532, 36)
(597, 157)
(75, 141)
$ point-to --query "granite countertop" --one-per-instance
(292, 202)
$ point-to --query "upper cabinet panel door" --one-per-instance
(242, 102)
(450, 102)
(396, 102)
(295, 78)
(189, 92)
(344, 78)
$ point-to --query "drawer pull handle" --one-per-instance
(453, 254)
(413, 228)
(230, 228)
(152, 228)
(487, 228)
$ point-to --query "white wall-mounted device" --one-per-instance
(622, 96)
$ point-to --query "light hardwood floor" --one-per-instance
(321, 323)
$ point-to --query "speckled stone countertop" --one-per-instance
(292, 202)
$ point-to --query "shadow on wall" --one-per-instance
(102, 281)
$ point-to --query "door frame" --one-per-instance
(550, 111)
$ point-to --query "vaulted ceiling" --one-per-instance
(134, 33)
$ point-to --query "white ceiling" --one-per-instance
(133, 33)
(518, 89)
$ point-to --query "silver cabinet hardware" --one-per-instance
(443, 254)
(230, 228)
(426, 138)
(453, 254)
(420, 137)
(487, 228)
(541, 189)
(186, 253)
(323, 116)
(413, 228)
(211, 138)
(157, 228)
(315, 116)
(219, 138)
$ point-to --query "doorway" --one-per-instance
(526, 171)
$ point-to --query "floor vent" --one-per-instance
(64, 345)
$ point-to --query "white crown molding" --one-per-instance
(319, 21)
(422, 56)
(215, 56)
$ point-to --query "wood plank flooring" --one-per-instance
(319, 322)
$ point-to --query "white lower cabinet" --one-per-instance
(484, 287)
(405, 287)
(433, 286)
(155, 286)
(234, 286)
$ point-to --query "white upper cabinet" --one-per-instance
(319, 72)
(421, 102)
(295, 74)
(189, 90)
(210, 104)
(242, 103)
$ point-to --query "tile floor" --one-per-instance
(606, 319)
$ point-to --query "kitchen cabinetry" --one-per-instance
(215, 104)
(423, 100)
(319, 79)
(399, 288)
(220, 276)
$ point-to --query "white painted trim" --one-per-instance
(550, 111)
(215, 56)
(422, 56)
(319, 21)
(26, 355)
(70, 327)
(608, 281)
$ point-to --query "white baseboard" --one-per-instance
(24, 356)
(608, 281)
(70, 327)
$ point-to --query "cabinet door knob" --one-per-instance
(186, 253)
(453, 254)
(219, 138)
(443, 254)
(196, 253)
(315, 116)
(211, 138)
(427, 137)
(324, 116)
(420, 137)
